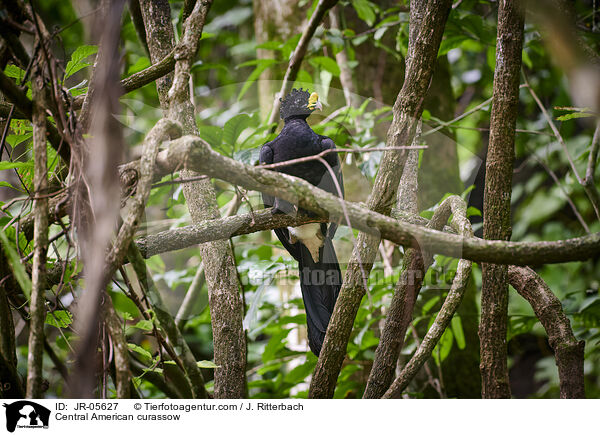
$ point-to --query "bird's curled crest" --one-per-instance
(297, 103)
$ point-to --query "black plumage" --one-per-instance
(310, 245)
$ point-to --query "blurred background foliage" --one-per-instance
(244, 54)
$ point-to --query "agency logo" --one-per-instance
(26, 415)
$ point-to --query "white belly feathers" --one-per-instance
(311, 236)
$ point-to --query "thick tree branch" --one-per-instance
(197, 155)
(399, 315)
(431, 339)
(217, 229)
(139, 79)
(458, 208)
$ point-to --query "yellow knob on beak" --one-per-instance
(314, 103)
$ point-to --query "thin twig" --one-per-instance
(296, 60)
(337, 150)
(458, 118)
(589, 187)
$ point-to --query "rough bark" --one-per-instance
(196, 154)
(496, 202)
(457, 207)
(221, 275)
(399, 315)
(568, 352)
(160, 39)
(407, 112)
(431, 339)
(37, 308)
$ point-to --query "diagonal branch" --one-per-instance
(296, 61)
(427, 26)
(568, 352)
(458, 208)
(139, 79)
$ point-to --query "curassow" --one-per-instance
(310, 244)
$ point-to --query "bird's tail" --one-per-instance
(320, 283)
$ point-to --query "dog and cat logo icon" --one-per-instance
(26, 414)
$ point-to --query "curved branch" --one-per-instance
(548, 309)
(197, 155)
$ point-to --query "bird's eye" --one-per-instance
(312, 100)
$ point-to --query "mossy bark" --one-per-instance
(496, 202)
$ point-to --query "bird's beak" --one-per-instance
(318, 106)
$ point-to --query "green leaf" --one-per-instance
(207, 364)
(19, 165)
(365, 11)
(140, 350)
(326, 63)
(301, 372)
(473, 211)
(429, 304)
(459, 334)
(16, 265)
(270, 45)
(59, 318)
(574, 115)
(234, 127)
(145, 325)
(526, 59)
(451, 42)
(443, 348)
(141, 64)
(212, 134)
(7, 184)
(261, 65)
(14, 72)
(76, 64)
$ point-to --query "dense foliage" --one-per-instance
(546, 195)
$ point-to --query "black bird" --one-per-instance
(310, 244)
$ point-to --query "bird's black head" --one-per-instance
(299, 103)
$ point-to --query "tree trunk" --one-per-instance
(496, 202)
(225, 301)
